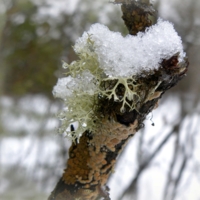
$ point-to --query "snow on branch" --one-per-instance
(106, 56)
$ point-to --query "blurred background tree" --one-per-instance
(35, 36)
(26, 48)
(34, 41)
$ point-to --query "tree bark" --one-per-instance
(91, 161)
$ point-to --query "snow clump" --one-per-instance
(120, 56)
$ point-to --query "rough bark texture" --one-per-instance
(91, 161)
(136, 15)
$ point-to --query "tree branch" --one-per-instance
(92, 159)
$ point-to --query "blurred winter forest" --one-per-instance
(162, 162)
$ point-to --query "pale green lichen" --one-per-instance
(88, 60)
(80, 109)
(129, 94)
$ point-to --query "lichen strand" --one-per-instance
(81, 105)
(92, 160)
(81, 109)
(121, 89)
(88, 61)
(127, 95)
(136, 16)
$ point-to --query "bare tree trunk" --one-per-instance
(92, 159)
